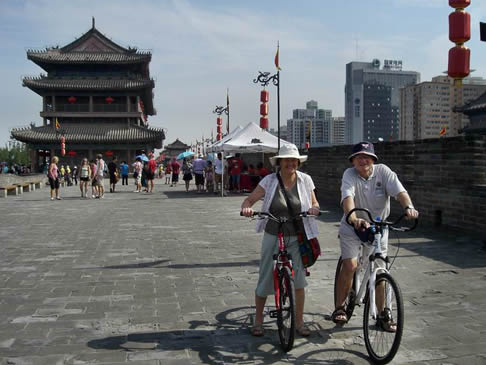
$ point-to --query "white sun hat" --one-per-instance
(288, 151)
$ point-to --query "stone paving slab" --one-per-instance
(168, 278)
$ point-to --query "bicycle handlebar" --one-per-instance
(385, 223)
(281, 219)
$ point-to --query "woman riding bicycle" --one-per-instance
(300, 191)
(365, 185)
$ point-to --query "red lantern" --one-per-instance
(264, 96)
(459, 26)
(63, 146)
(219, 121)
(219, 136)
(109, 100)
(307, 145)
(264, 109)
(72, 153)
(109, 153)
(459, 4)
(459, 57)
(219, 129)
(264, 123)
(71, 99)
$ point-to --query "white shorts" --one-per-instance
(350, 245)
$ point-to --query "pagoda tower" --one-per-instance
(97, 95)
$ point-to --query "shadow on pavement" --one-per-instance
(157, 263)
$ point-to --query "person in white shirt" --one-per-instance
(365, 185)
(299, 188)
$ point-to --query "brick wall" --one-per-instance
(446, 177)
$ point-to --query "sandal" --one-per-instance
(339, 316)
(386, 322)
(257, 330)
(303, 330)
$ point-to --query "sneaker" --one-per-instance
(93, 196)
(52, 198)
(136, 191)
(59, 198)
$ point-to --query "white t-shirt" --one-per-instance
(100, 167)
(372, 193)
(218, 166)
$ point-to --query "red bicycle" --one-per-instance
(283, 282)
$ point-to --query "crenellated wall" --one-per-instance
(446, 177)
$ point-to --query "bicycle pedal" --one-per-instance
(273, 314)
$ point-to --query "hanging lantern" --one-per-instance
(219, 137)
(263, 109)
(263, 122)
(109, 153)
(459, 4)
(219, 121)
(72, 153)
(264, 96)
(307, 145)
(459, 57)
(63, 146)
(219, 129)
(459, 33)
(71, 99)
(109, 99)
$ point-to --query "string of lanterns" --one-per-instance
(264, 97)
(459, 33)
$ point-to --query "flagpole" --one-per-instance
(278, 110)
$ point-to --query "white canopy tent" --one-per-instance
(252, 139)
(217, 146)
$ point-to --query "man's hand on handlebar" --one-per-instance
(313, 211)
(360, 224)
(412, 213)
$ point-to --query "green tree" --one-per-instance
(15, 153)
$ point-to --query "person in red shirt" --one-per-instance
(236, 165)
(176, 167)
(262, 171)
(150, 173)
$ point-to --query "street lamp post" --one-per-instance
(264, 79)
(220, 110)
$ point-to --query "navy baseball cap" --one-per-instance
(365, 148)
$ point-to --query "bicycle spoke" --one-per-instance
(286, 315)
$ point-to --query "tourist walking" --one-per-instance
(114, 174)
(137, 174)
(75, 174)
(124, 172)
(84, 177)
(94, 187)
(186, 173)
(299, 189)
(209, 175)
(236, 165)
(198, 166)
(100, 174)
(175, 167)
(151, 167)
(53, 175)
(168, 173)
(218, 173)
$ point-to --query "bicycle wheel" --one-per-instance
(381, 344)
(349, 302)
(286, 313)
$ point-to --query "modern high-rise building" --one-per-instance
(372, 99)
(427, 108)
(338, 130)
(311, 125)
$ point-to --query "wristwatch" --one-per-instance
(409, 207)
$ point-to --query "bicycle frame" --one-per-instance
(366, 263)
(280, 260)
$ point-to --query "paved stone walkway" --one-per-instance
(168, 278)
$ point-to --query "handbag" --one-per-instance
(310, 249)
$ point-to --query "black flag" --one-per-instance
(482, 31)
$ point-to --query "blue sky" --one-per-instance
(202, 47)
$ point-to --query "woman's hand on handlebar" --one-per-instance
(313, 211)
(247, 212)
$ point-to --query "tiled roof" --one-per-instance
(87, 84)
(476, 105)
(82, 133)
(55, 56)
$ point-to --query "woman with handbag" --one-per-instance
(298, 189)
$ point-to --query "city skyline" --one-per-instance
(199, 49)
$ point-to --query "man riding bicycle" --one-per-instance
(365, 185)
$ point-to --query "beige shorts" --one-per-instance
(217, 178)
(100, 181)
